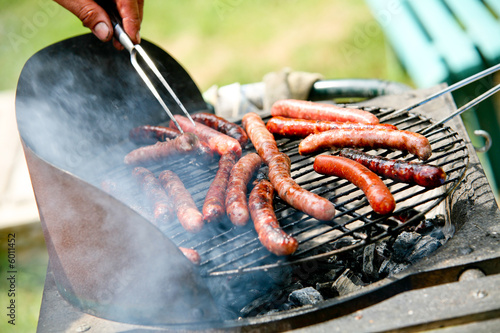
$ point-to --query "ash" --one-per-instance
(293, 287)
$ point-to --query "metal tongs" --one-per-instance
(451, 88)
(135, 49)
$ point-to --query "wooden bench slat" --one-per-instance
(481, 26)
(451, 41)
(494, 5)
(419, 57)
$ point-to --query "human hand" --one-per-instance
(96, 19)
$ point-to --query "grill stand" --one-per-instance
(425, 296)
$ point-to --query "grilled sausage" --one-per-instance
(414, 143)
(148, 134)
(266, 225)
(378, 195)
(279, 172)
(407, 172)
(162, 206)
(214, 205)
(236, 195)
(184, 144)
(303, 127)
(218, 142)
(188, 214)
(262, 139)
(191, 254)
(288, 190)
(320, 111)
(222, 125)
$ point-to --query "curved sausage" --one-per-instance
(236, 195)
(188, 214)
(414, 143)
(378, 195)
(182, 145)
(163, 210)
(279, 172)
(191, 254)
(214, 205)
(222, 125)
(149, 134)
(219, 142)
(266, 225)
(262, 139)
(303, 127)
(407, 172)
(288, 190)
(293, 108)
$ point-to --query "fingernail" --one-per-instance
(138, 37)
(102, 31)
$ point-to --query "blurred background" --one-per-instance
(218, 42)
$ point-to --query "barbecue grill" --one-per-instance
(102, 275)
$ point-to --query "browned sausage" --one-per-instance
(288, 190)
(279, 172)
(191, 254)
(414, 143)
(270, 234)
(156, 195)
(148, 134)
(218, 142)
(303, 127)
(262, 139)
(188, 214)
(320, 111)
(184, 144)
(407, 172)
(222, 125)
(378, 195)
(236, 195)
(214, 206)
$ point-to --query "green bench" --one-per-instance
(445, 41)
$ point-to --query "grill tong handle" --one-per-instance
(110, 7)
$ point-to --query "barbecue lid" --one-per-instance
(109, 261)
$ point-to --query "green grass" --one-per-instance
(221, 41)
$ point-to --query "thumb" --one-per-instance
(92, 16)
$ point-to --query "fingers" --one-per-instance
(131, 14)
(96, 19)
(92, 16)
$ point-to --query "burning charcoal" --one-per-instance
(347, 283)
(389, 267)
(404, 245)
(369, 264)
(326, 289)
(429, 224)
(425, 246)
(437, 234)
(268, 301)
(305, 296)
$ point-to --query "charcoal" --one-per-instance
(399, 267)
(269, 301)
(369, 264)
(347, 283)
(326, 289)
(390, 267)
(305, 296)
(437, 234)
(425, 246)
(404, 245)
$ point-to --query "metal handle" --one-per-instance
(120, 34)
